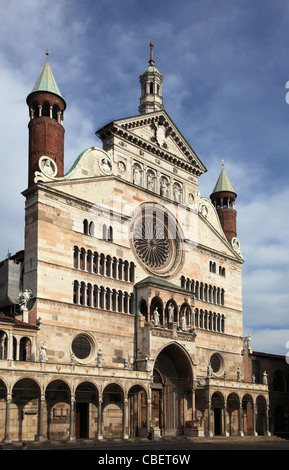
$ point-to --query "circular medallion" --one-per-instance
(156, 240)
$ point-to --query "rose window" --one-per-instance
(156, 240)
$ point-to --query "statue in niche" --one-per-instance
(48, 168)
(150, 182)
(156, 316)
(183, 322)
(136, 176)
(164, 187)
(105, 165)
(171, 312)
(177, 193)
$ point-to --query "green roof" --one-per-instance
(152, 69)
(46, 81)
(223, 184)
(159, 282)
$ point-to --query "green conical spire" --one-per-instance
(46, 81)
(223, 184)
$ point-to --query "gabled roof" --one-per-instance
(46, 81)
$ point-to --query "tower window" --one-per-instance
(46, 110)
(151, 88)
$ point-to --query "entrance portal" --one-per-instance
(218, 421)
(172, 390)
(82, 420)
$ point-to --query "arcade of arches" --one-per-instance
(95, 407)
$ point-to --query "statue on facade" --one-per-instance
(136, 176)
(183, 321)
(24, 298)
(72, 359)
(171, 312)
(99, 358)
(156, 317)
(209, 370)
(148, 364)
(150, 182)
(265, 378)
(239, 375)
(164, 188)
(42, 353)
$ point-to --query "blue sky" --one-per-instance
(225, 65)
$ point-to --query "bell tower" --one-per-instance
(46, 132)
(151, 82)
(223, 197)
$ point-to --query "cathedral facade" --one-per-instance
(122, 316)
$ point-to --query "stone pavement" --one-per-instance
(165, 445)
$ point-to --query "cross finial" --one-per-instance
(47, 53)
(222, 162)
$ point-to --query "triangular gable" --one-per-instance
(156, 132)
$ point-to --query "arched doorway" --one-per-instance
(86, 399)
(171, 398)
(24, 410)
(233, 408)
(112, 411)
(137, 411)
(247, 408)
(217, 402)
(58, 410)
(261, 427)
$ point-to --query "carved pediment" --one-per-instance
(156, 133)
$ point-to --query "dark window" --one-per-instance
(81, 347)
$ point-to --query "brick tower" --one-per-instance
(223, 197)
(46, 133)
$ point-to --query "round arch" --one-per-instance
(172, 400)
(58, 399)
(248, 410)
(233, 409)
(112, 410)
(25, 408)
(86, 410)
(137, 411)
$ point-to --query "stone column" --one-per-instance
(39, 436)
(99, 420)
(240, 433)
(72, 419)
(7, 440)
(267, 430)
(10, 346)
(254, 433)
(225, 432)
(209, 432)
(148, 414)
(125, 414)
